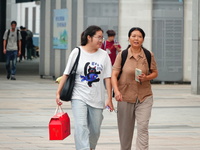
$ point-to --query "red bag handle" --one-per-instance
(58, 108)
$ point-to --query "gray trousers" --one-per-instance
(127, 114)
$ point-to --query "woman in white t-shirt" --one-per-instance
(88, 99)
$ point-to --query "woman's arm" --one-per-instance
(149, 77)
(109, 93)
(60, 86)
(114, 81)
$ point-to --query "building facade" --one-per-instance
(167, 24)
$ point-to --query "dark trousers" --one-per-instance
(29, 52)
(23, 52)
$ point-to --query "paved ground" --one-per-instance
(27, 104)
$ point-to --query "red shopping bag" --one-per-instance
(59, 125)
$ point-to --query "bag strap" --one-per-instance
(7, 37)
(148, 56)
(123, 56)
(104, 45)
(74, 68)
(58, 108)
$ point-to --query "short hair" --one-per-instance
(91, 31)
(111, 33)
(13, 22)
(136, 28)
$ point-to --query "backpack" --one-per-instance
(124, 56)
(104, 45)
(8, 37)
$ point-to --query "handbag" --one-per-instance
(67, 90)
(59, 125)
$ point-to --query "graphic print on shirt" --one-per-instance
(91, 73)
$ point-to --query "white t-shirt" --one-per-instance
(92, 69)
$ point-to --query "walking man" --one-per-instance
(23, 42)
(12, 49)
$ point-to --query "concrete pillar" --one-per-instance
(2, 26)
(135, 13)
(195, 80)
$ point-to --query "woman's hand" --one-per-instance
(109, 105)
(58, 100)
(60, 86)
(142, 77)
(118, 96)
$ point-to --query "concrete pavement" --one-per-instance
(27, 104)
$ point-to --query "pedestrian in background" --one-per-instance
(12, 49)
(29, 44)
(23, 42)
(133, 93)
(88, 99)
(111, 45)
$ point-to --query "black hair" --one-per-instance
(136, 28)
(91, 31)
(13, 22)
(111, 33)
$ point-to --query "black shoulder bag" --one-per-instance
(67, 90)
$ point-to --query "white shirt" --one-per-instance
(92, 69)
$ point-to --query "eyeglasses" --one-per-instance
(99, 38)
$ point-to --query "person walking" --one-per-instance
(23, 42)
(111, 45)
(29, 44)
(88, 99)
(12, 49)
(133, 91)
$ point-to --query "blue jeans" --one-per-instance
(11, 56)
(87, 124)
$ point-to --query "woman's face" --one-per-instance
(136, 39)
(96, 40)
